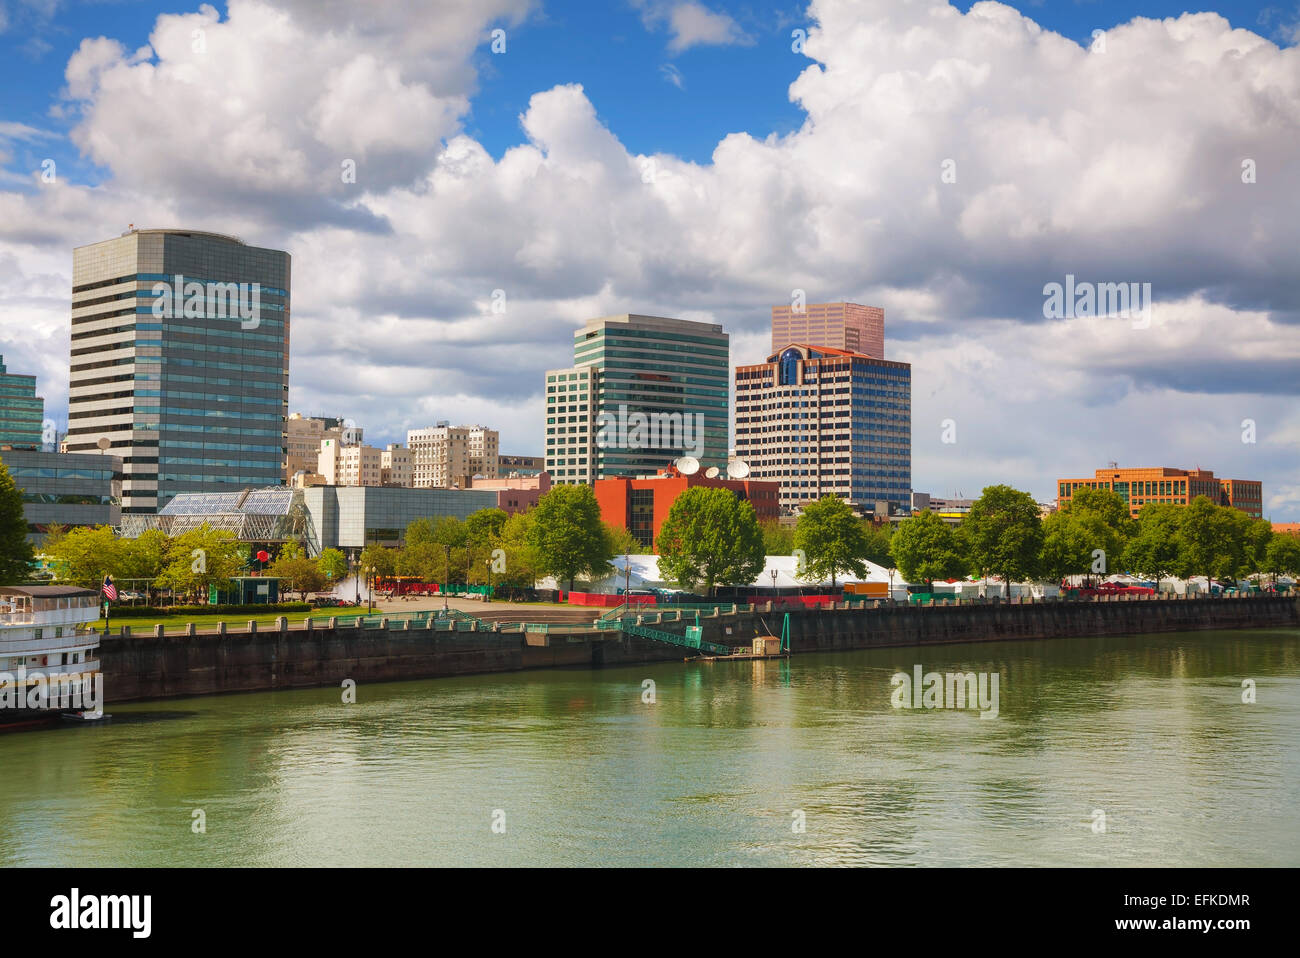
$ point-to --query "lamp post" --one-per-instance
(446, 555)
(773, 574)
(488, 563)
(370, 589)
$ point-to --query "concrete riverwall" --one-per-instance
(155, 667)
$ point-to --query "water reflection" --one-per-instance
(719, 769)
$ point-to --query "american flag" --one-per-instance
(109, 590)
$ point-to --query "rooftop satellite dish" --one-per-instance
(688, 465)
(103, 442)
(712, 472)
(738, 469)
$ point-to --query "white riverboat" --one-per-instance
(49, 654)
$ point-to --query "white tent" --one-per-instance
(645, 575)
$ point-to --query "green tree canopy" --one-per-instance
(522, 568)
(711, 537)
(1211, 541)
(1282, 557)
(1003, 534)
(1152, 551)
(333, 565)
(778, 540)
(200, 558)
(374, 556)
(926, 548)
(567, 535)
(832, 540)
(15, 550)
(85, 554)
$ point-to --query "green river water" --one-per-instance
(574, 768)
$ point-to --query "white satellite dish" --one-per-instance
(688, 465)
(738, 469)
(712, 472)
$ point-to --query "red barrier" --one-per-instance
(606, 601)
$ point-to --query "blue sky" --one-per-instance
(776, 171)
(626, 69)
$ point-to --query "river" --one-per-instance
(1105, 751)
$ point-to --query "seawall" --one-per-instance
(148, 666)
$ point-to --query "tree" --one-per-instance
(1283, 556)
(296, 572)
(201, 558)
(622, 542)
(1003, 533)
(878, 538)
(832, 540)
(86, 554)
(144, 557)
(567, 535)
(522, 569)
(485, 525)
(1087, 535)
(778, 540)
(374, 556)
(1211, 542)
(1257, 536)
(1153, 550)
(15, 549)
(333, 564)
(926, 548)
(711, 537)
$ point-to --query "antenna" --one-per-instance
(738, 469)
(688, 465)
(712, 472)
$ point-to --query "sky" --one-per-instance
(705, 160)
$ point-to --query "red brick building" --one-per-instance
(641, 505)
(1174, 486)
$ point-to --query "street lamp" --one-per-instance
(370, 589)
(773, 574)
(446, 555)
(488, 563)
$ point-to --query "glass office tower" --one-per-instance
(180, 359)
(642, 392)
(22, 412)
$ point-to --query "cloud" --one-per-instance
(949, 166)
(692, 24)
(673, 76)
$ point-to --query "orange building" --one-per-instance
(1286, 528)
(1177, 487)
(641, 505)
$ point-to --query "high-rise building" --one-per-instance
(340, 465)
(444, 456)
(22, 412)
(848, 326)
(825, 422)
(395, 466)
(180, 360)
(642, 392)
(1140, 485)
(303, 438)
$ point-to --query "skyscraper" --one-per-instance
(859, 329)
(22, 412)
(180, 359)
(643, 391)
(827, 422)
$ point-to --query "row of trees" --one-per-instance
(1004, 536)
